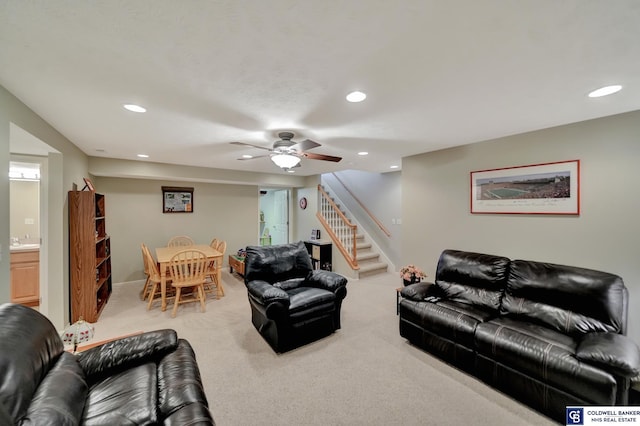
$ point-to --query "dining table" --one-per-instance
(164, 255)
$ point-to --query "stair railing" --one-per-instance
(341, 231)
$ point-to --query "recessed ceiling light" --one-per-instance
(143, 156)
(604, 91)
(291, 171)
(394, 167)
(135, 108)
(99, 150)
(247, 156)
(356, 96)
(363, 153)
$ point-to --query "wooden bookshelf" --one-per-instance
(89, 255)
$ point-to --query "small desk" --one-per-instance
(164, 255)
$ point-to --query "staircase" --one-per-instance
(368, 258)
(354, 246)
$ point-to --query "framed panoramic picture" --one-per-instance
(549, 188)
(177, 199)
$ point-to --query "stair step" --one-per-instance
(372, 269)
(361, 245)
(361, 257)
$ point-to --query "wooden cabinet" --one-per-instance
(25, 277)
(237, 263)
(320, 254)
(89, 255)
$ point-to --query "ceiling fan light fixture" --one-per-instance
(285, 161)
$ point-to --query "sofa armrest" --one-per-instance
(121, 354)
(181, 397)
(264, 293)
(610, 351)
(419, 291)
(328, 280)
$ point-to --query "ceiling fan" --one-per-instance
(286, 153)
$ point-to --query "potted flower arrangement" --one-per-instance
(411, 274)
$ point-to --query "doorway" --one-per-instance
(24, 224)
(274, 216)
(54, 291)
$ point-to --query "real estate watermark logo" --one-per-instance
(575, 415)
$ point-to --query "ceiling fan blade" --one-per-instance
(311, 156)
(252, 158)
(306, 145)
(248, 144)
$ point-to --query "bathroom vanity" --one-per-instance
(25, 274)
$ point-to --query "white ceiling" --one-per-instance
(437, 73)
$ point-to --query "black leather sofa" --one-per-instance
(548, 335)
(152, 378)
(291, 304)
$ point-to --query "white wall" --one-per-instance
(605, 236)
(25, 208)
(60, 180)
(134, 216)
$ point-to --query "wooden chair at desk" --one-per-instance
(180, 240)
(214, 269)
(188, 268)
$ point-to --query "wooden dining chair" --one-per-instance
(154, 277)
(181, 240)
(213, 243)
(188, 269)
(146, 288)
(214, 268)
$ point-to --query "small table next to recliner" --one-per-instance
(236, 262)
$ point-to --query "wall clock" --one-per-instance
(303, 203)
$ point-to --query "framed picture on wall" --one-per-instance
(177, 199)
(548, 188)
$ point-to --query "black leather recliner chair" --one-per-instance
(291, 304)
(151, 378)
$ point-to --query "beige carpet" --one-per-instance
(364, 374)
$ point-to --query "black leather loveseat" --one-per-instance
(152, 378)
(549, 335)
(291, 304)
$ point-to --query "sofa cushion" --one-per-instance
(118, 355)
(307, 301)
(473, 278)
(568, 299)
(277, 263)
(546, 355)
(613, 352)
(59, 400)
(126, 398)
(290, 284)
(452, 320)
